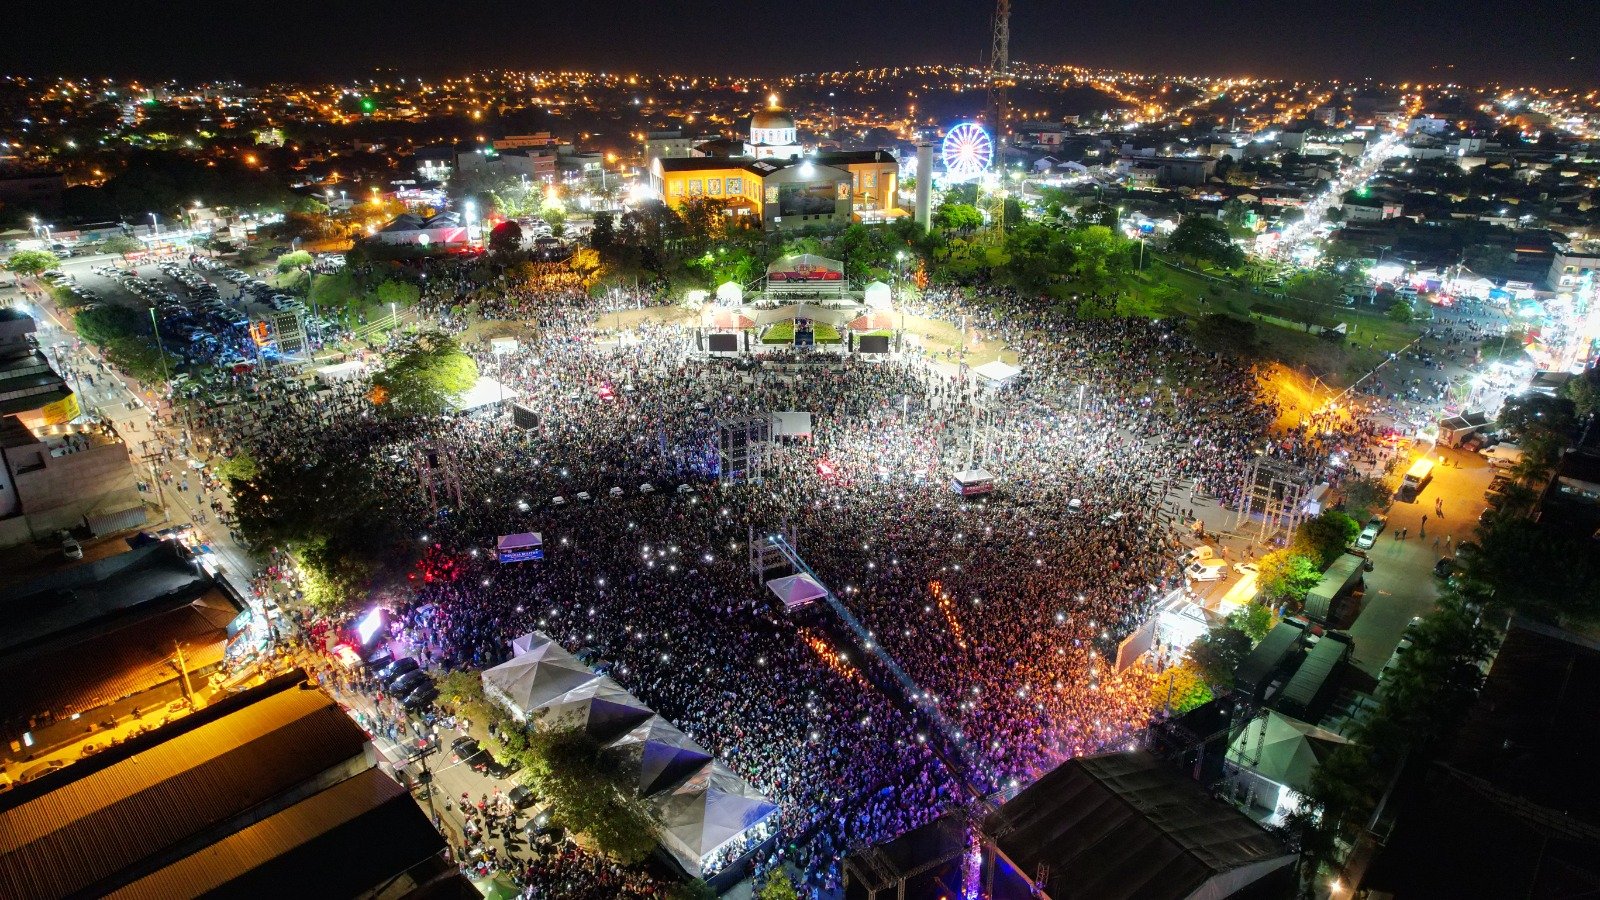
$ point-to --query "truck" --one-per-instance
(1417, 477)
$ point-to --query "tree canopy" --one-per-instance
(1203, 238)
(424, 376)
(32, 262)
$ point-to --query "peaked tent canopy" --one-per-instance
(1289, 750)
(710, 809)
(997, 371)
(662, 755)
(877, 295)
(529, 642)
(601, 708)
(796, 590)
(527, 682)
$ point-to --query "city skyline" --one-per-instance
(1434, 41)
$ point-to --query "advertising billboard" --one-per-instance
(814, 199)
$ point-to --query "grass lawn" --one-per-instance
(780, 333)
(825, 333)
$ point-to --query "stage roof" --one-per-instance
(796, 590)
(484, 392)
(1123, 826)
(997, 371)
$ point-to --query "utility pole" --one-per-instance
(999, 72)
(183, 672)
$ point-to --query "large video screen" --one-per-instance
(816, 199)
(724, 343)
(872, 343)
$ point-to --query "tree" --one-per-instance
(297, 260)
(1218, 652)
(29, 263)
(400, 293)
(1325, 537)
(1584, 392)
(505, 237)
(425, 376)
(603, 233)
(121, 244)
(589, 792)
(1532, 412)
(777, 886)
(958, 217)
(1401, 311)
(1364, 496)
(1316, 287)
(1287, 575)
(1180, 688)
(1254, 620)
(239, 467)
(1202, 238)
(109, 322)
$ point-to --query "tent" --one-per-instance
(484, 392)
(662, 755)
(796, 590)
(877, 295)
(1283, 750)
(526, 683)
(704, 813)
(729, 294)
(997, 372)
(530, 641)
(601, 708)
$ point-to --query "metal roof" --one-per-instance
(1122, 826)
(325, 843)
(1268, 655)
(101, 817)
(1314, 672)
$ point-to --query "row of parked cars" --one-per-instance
(404, 678)
(60, 279)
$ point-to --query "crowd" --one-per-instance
(1005, 612)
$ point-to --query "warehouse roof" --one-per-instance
(323, 841)
(1122, 826)
(153, 799)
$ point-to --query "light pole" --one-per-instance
(155, 225)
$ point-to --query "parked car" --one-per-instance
(464, 748)
(397, 668)
(1369, 534)
(408, 682)
(71, 549)
(420, 697)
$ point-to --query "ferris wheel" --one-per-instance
(967, 151)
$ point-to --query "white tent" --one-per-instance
(533, 640)
(1284, 750)
(997, 372)
(729, 294)
(796, 590)
(526, 683)
(710, 809)
(483, 392)
(877, 295)
(601, 708)
(662, 755)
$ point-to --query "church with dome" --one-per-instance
(773, 134)
(773, 177)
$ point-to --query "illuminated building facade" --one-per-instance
(786, 189)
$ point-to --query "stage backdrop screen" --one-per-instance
(724, 343)
(806, 199)
(872, 343)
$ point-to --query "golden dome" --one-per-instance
(771, 116)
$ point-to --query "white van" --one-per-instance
(1199, 554)
(1206, 570)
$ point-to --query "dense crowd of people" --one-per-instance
(1004, 612)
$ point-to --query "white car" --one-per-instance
(1247, 568)
(1369, 534)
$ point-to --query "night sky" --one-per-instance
(1531, 41)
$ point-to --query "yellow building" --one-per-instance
(824, 189)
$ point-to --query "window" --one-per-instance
(714, 187)
(676, 187)
(694, 187)
(735, 186)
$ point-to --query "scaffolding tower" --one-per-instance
(289, 329)
(1276, 490)
(766, 557)
(743, 445)
(436, 471)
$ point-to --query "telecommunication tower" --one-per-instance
(999, 71)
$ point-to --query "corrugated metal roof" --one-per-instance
(342, 841)
(110, 659)
(1313, 673)
(94, 826)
